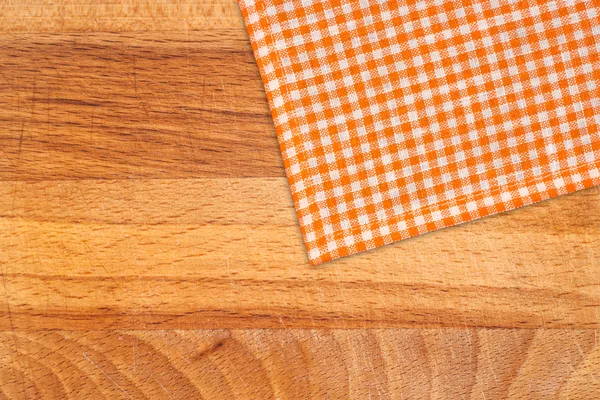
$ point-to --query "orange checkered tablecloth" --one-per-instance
(396, 118)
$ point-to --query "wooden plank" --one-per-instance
(133, 105)
(288, 364)
(208, 253)
(122, 16)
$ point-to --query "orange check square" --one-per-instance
(396, 118)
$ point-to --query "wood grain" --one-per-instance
(118, 15)
(142, 190)
(287, 364)
(141, 187)
(175, 254)
(130, 105)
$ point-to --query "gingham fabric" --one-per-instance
(396, 118)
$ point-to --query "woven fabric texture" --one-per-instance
(397, 118)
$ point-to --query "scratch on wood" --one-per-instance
(163, 388)
(106, 375)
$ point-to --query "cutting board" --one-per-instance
(149, 247)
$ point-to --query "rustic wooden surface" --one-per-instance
(142, 198)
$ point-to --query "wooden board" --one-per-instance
(202, 253)
(288, 364)
(141, 188)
